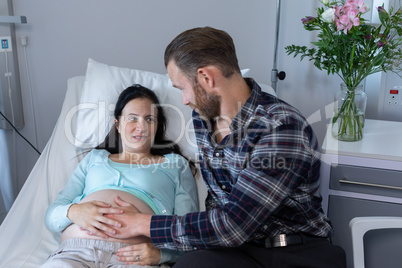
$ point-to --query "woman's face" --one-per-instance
(137, 125)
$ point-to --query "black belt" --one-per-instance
(284, 240)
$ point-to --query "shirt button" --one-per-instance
(164, 211)
(217, 154)
(165, 245)
(223, 187)
(195, 248)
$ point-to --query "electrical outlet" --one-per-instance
(5, 43)
(393, 103)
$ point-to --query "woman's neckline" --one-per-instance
(156, 159)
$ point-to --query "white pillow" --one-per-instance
(267, 89)
(103, 84)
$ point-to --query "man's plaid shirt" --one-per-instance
(262, 179)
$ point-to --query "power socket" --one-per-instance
(393, 103)
(5, 44)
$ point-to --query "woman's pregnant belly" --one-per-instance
(74, 231)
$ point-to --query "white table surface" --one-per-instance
(381, 140)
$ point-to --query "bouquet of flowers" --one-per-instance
(353, 49)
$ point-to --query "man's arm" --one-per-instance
(133, 222)
(258, 192)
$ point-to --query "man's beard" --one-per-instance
(208, 104)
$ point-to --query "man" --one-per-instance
(259, 159)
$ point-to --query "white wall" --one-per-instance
(62, 35)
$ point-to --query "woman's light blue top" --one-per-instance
(167, 187)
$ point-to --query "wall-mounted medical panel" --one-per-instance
(10, 88)
(390, 101)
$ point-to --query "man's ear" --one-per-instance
(206, 76)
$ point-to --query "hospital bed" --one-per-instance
(85, 119)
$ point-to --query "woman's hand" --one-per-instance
(141, 254)
(90, 216)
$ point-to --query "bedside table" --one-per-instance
(364, 178)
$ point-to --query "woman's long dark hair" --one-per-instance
(161, 145)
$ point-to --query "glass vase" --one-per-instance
(349, 110)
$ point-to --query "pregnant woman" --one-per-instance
(136, 164)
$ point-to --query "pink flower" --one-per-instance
(347, 15)
(349, 5)
(357, 5)
(354, 19)
(338, 14)
(361, 6)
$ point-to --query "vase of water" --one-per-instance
(349, 110)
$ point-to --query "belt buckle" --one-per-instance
(276, 241)
(279, 240)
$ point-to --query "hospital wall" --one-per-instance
(62, 35)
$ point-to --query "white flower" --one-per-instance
(328, 15)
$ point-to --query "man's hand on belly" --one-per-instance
(133, 222)
(90, 216)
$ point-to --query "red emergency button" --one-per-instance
(393, 91)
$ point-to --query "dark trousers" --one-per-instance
(320, 254)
